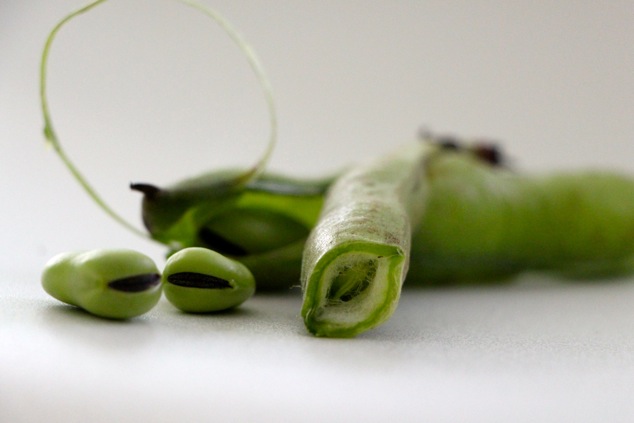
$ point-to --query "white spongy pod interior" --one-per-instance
(368, 300)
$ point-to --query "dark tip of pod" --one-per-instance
(137, 283)
(198, 280)
(150, 191)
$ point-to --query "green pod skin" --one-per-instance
(110, 283)
(262, 223)
(199, 280)
(486, 223)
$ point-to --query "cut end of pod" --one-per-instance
(353, 292)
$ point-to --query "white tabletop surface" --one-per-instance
(148, 90)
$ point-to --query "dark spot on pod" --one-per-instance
(489, 153)
(137, 283)
(198, 280)
(218, 243)
(447, 142)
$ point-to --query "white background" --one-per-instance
(152, 91)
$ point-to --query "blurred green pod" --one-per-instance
(485, 222)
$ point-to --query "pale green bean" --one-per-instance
(199, 280)
(112, 283)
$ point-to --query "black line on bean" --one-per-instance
(198, 280)
(136, 283)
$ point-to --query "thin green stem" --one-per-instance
(49, 131)
(265, 84)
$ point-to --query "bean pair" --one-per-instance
(121, 284)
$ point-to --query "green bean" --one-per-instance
(199, 280)
(357, 256)
(111, 283)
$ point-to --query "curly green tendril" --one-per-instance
(53, 140)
